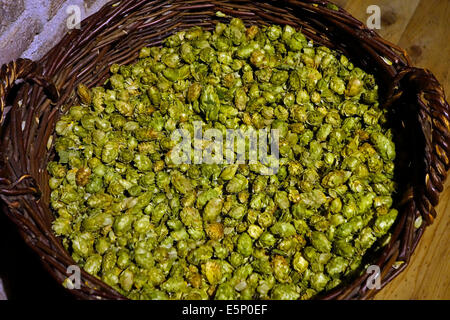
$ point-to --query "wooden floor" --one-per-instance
(422, 28)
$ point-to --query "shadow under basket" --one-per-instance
(418, 112)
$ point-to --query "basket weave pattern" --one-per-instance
(115, 34)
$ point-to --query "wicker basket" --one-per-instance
(419, 114)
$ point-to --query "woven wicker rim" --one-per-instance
(116, 33)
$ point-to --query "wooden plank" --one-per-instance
(395, 15)
(426, 38)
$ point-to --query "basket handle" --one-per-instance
(434, 117)
(26, 70)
